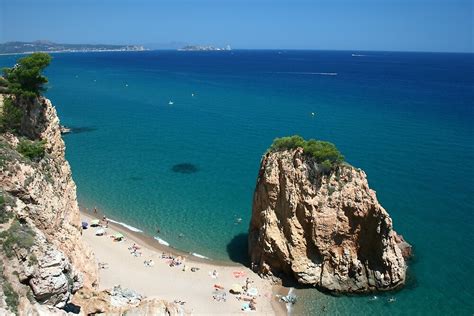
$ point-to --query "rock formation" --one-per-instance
(41, 196)
(43, 260)
(325, 230)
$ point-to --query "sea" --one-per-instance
(171, 141)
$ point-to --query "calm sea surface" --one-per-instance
(405, 118)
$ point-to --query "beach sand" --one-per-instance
(172, 283)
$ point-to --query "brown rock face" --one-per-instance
(44, 197)
(326, 231)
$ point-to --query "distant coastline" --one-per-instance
(204, 48)
(17, 48)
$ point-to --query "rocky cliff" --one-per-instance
(43, 260)
(325, 230)
(41, 228)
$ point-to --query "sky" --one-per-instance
(391, 25)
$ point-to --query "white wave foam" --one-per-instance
(161, 241)
(198, 255)
(133, 229)
(289, 306)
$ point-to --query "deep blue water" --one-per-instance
(405, 118)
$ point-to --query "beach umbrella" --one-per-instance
(252, 291)
(95, 222)
(100, 232)
(118, 236)
(236, 288)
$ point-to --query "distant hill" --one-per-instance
(47, 46)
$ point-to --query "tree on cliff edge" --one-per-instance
(25, 79)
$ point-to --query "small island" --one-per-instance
(204, 48)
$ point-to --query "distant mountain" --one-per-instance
(47, 46)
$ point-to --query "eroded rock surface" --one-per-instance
(327, 231)
(42, 196)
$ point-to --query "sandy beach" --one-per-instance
(178, 283)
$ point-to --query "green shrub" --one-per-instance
(11, 297)
(25, 78)
(18, 235)
(33, 260)
(4, 215)
(10, 116)
(325, 153)
(331, 189)
(33, 150)
(3, 82)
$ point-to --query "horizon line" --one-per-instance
(243, 48)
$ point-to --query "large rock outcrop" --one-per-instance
(327, 231)
(42, 197)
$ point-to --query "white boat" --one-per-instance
(171, 102)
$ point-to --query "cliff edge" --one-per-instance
(41, 226)
(325, 229)
(43, 260)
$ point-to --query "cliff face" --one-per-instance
(45, 246)
(326, 231)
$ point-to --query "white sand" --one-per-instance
(172, 283)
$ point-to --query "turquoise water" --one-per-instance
(405, 118)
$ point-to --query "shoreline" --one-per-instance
(79, 51)
(152, 248)
(150, 241)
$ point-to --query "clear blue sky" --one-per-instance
(407, 25)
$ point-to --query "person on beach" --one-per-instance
(95, 209)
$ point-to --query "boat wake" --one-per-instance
(309, 73)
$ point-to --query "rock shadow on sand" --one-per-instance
(237, 249)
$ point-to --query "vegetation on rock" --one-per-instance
(19, 235)
(324, 153)
(25, 79)
(11, 297)
(10, 117)
(33, 150)
(4, 215)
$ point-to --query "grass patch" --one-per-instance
(19, 235)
